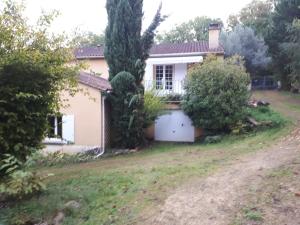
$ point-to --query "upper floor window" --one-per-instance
(164, 77)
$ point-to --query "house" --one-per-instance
(85, 118)
(166, 71)
(85, 122)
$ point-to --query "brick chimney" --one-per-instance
(213, 35)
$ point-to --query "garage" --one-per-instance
(174, 126)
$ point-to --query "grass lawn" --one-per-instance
(128, 189)
(125, 189)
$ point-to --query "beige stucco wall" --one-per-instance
(97, 66)
(86, 108)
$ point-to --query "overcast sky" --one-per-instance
(90, 15)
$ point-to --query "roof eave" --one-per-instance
(90, 57)
(97, 88)
(185, 54)
(162, 55)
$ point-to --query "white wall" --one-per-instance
(180, 69)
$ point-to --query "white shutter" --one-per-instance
(68, 128)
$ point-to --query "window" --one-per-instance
(159, 77)
(55, 127)
(164, 77)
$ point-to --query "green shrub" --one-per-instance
(217, 94)
(33, 70)
(22, 183)
(18, 182)
(127, 111)
(153, 107)
(172, 98)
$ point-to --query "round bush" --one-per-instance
(216, 94)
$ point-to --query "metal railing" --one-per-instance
(165, 87)
(264, 83)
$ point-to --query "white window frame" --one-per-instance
(56, 127)
(163, 84)
(67, 131)
(55, 139)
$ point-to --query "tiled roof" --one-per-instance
(90, 52)
(161, 49)
(94, 81)
(184, 48)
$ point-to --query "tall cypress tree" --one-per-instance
(126, 52)
(126, 48)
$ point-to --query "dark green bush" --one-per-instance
(217, 94)
(127, 111)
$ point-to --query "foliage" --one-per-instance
(217, 94)
(292, 52)
(243, 41)
(264, 114)
(127, 49)
(265, 118)
(256, 15)
(33, 71)
(22, 183)
(153, 107)
(172, 98)
(88, 39)
(213, 139)
(193, 30)
(281, 36)
(18, 182)
(59, 159)
(128, 111)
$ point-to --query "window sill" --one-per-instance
(54, 141)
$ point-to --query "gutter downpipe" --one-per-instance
(103, 127)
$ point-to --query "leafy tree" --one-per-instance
(193, 30)
(217, 93)
(88, 39)
(257, 15)
(292, 52)
(286, 12)
(33, 70)
(243, 41)
(127, 49)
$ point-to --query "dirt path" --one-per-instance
(213, 201)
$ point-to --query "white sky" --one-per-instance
(90, 15)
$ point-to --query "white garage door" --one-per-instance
(174, 126)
